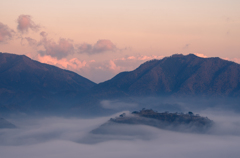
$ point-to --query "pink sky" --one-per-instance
(98, 39)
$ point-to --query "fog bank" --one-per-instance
(55, 137)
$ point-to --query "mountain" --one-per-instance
(25, 82)
(169, 121)
(176, 75)
(27, 85)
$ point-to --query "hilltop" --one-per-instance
(169, 121)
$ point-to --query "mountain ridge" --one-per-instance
(26, 83)
(177, 74)
(21, 63)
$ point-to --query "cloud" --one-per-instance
(129, 63)
(56, 137)
(100, 47)
(236, 60)
(85, 48)
(48, 47)
(72, 64)
(5, 33)
(104, 70)
(98, 71)
(43, 34)
(131, 57)
(63, 48)
(31, 41)
(201, 55)
(25, 23)
(113, 66)
(186, 46)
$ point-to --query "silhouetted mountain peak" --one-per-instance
(179, 75)
(26, 81)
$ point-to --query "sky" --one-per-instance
(98, 39)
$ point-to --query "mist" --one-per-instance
(196, 104)
(58, 137)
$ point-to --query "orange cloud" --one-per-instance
(129, 63)
(149, 57)
(236, 60)
(95, 70)
(201, 55)
(112, 66)
(141, 57)
(131, 57)
(72, 64)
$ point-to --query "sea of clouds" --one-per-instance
(57, 137)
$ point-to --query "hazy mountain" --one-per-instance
(170, 121)
(176, 75)
(25, 82)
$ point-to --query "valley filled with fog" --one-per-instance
(61, 137)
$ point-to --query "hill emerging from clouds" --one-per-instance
(170, 121)
(176, 75)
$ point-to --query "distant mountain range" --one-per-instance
(176, 75)
(27, 84)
